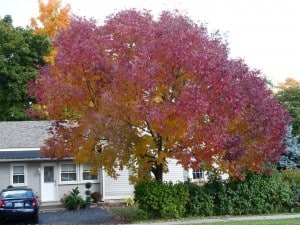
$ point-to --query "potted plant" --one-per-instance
(73, 201)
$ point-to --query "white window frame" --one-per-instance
(12, 174)
(200, 172)
(76, 172)
(81, 175)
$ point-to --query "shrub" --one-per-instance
(255, 195)
(292, 176)
(129, 201)
(88, 199)
(88, 192)
(96, 196)
(73, 201)
(88, 185)
(259, 194)
(200, 201)
(269, 194)
(165, 200)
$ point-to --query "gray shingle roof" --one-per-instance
(20, 155)
(23, 134)
(21, 140)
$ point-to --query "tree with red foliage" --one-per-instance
(137, 91)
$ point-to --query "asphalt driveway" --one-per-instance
(64, 217)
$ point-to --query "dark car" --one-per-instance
(19, 203)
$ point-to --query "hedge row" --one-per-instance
(165, 200)
(292, 176)
(255, 195)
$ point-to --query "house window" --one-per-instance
(198, 174)
(68, 172)
(86, 175)
(18, 175)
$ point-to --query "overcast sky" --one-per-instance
(265, 33)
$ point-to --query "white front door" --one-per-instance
(48, 186)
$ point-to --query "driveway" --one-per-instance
(64, 217)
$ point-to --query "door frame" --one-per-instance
(54, 164)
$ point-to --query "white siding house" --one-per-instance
(21, 164)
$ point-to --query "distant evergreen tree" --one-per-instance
(291, 158)
(7, 19)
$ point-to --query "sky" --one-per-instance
(264, 33)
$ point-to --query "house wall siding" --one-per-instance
(175, 173)
(4, 175)
(118, 188)
(67, 188)
(122, 188)
(33, 177)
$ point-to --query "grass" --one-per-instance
(132, 214)
(256, 222)
(129, 214)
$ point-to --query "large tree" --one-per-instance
(137, 91)
(21, 55)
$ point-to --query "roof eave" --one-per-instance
(35, 159)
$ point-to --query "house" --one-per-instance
(22, 164)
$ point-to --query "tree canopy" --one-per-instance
(289, 96)
(137, 91)
(52, 19)
(21, 55)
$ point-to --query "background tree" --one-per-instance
(52, 19)
(135, 92)
(21, 55)
(291, 157)
(289, 96)
(7, 19)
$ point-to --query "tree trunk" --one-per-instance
(158, 172)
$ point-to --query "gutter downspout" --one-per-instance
(102, 186)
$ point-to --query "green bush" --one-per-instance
(256, 195)
(200, 201)
(88, 185)
(261, 194)
(274, 192)
(292, 176)
(88, 192)
(73, 201)
(88, 198)
(164, 200)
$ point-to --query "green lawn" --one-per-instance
(256, 222)
(131, 214)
